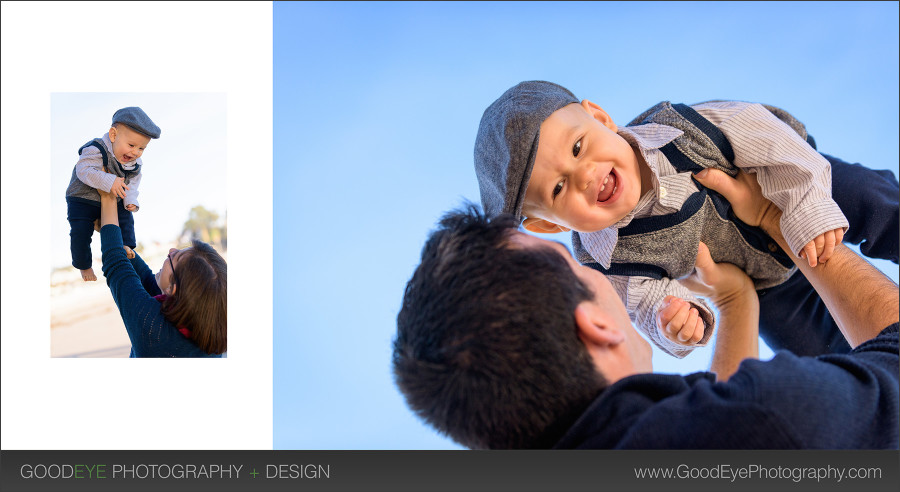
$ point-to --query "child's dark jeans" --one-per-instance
(81, 215)
(792, 315)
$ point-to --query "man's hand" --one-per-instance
(131, 207)
(745, 196)
(720, 282)
(861, 299)
(734, 295)
(680, 322)
(118, 187)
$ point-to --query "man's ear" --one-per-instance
(542, 226)
(595, 326)
(599, 114)
(112, 134)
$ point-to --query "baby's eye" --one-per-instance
(576, 149)
(558, 188)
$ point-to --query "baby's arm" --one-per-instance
(89, 170)
(645, 299)
(793, 175)
(131, 201)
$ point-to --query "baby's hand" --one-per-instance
(118, 188)
(819, 250)
(131, 207)
(680, 322)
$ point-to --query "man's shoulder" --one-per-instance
(665, 411)
(800, 402)
(878, 355)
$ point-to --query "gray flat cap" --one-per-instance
(507, 142)
(138, 120)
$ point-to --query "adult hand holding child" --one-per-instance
(118, 188)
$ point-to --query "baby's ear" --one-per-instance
(542, 226)
(599, 114)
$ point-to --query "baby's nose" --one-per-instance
(585, 175)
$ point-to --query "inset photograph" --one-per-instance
(138, 228)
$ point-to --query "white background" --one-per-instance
(147, 403)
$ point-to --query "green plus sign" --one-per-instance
(254, 473)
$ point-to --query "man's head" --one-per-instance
(500, 334)
(130, 132)
(561, 164)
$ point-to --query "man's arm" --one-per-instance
(733, 294)
(862, 300)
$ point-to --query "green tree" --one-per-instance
(204, 224)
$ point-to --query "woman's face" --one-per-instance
(165, 276)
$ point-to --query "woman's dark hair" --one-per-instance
(487, 350)
(200, 300)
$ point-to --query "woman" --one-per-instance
(180, 311)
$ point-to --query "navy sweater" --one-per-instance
(835, 401)
(133, 286)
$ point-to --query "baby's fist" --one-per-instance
(680, 322)
(820, 249)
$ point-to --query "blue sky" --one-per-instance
(376, 106)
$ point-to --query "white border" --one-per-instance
(135, 47)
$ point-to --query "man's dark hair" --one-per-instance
(487, 350)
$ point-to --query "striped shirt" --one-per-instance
(89, 170)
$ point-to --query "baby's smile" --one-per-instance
(609, 188)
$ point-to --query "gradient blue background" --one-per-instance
(376, 107)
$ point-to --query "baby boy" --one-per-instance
(629, 194)
(111, 163)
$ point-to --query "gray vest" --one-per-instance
(80, 191)
(666, 246)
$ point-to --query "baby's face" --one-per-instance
(585, 176)
(127, 144)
